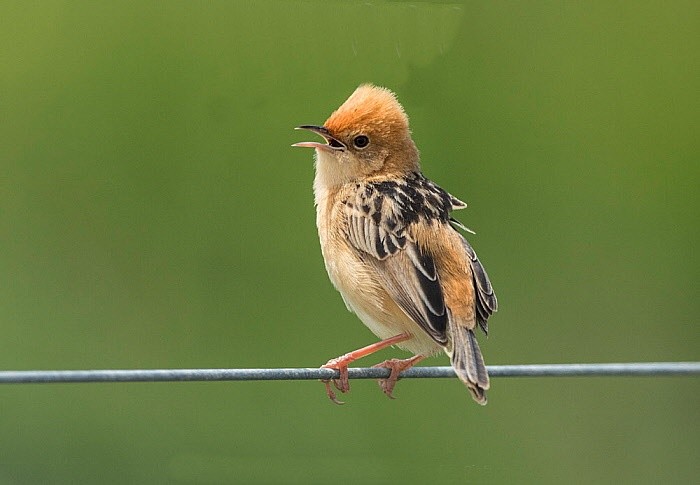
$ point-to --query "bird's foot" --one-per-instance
(397, 366)
(342, 383)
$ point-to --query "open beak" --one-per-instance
(332, 144)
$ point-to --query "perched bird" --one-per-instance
(390, 245)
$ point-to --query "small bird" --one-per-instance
(391, 247)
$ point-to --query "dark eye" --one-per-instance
(360, 141)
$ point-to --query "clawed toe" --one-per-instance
(329, 392)
(396, 366)
(387, 385)
(342, 383)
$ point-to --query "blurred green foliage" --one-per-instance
(153, 214)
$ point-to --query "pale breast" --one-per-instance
(361, 287)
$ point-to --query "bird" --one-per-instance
(391, 246)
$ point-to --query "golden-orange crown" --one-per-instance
(370, 109)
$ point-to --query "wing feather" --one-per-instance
(381, 219)
(408, 273)
(486, 301)
(420, 297)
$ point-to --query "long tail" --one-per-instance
(469, 363)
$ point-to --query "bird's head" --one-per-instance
(367, 136)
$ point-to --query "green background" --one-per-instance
(154, 215)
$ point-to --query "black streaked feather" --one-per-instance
(389, 245)
(378, 229)
(486, 301)
(423, 262)
(434, 301)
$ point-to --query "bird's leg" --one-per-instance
(397, 366)
(341, 364)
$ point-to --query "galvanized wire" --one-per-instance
(176, 375)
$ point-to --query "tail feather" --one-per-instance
(469, 363)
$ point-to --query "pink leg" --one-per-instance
(397, 366)
(341, 363)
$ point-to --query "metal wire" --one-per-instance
(174, 375)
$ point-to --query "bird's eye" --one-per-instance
(360, 141)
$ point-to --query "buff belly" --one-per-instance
(363, 293)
